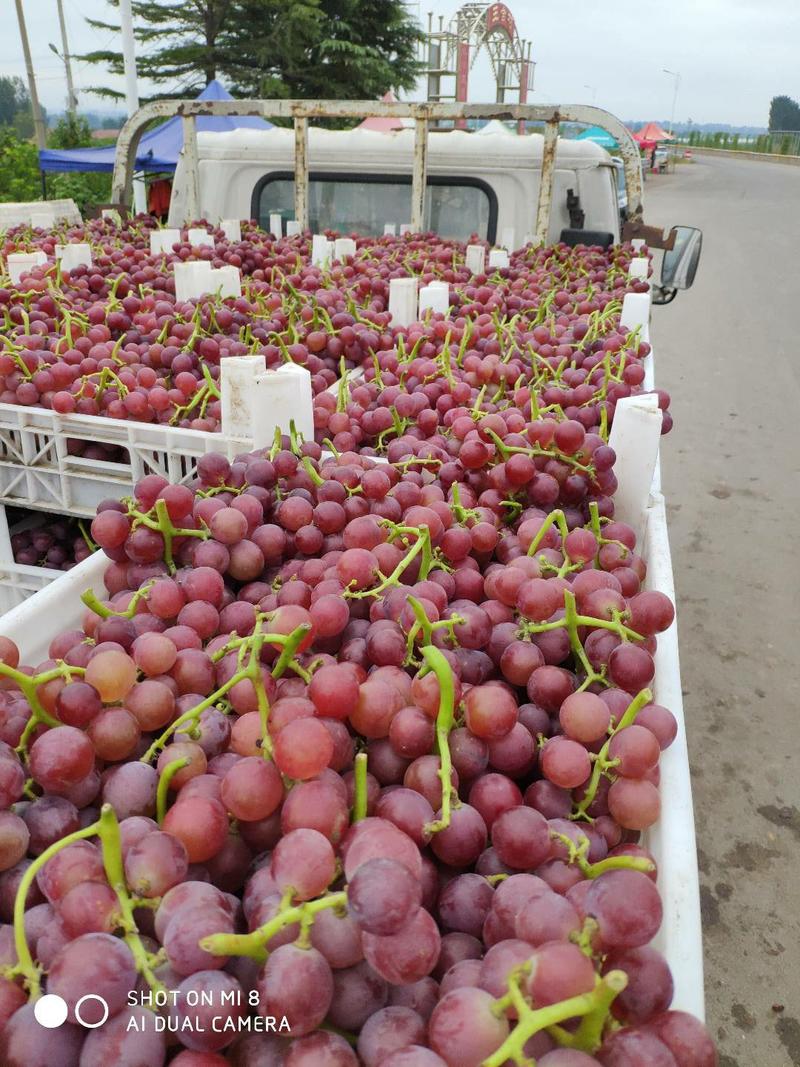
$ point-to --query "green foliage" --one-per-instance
(71, 131)
(339, 49)
(15, 106)
(784, 114)
(85, 188)
(13, 99)
(19, 168)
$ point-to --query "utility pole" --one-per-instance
(38, 121)
(131, 88)
(72, 99)
(676, 75)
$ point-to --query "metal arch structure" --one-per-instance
(452, 52)
(300, 111)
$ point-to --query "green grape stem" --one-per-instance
(592, 1007)
(602, 763)
(360, 787)
(445, 720)
(252, 944)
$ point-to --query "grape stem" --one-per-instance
(251, 671)
(252, 944)
(164, 780)
(602, 763)
(360, 787)
(593, 1007)
(111, 842)
(576, 854)
(28, 685)
(99, 608)
(107, 829)
(445, 720)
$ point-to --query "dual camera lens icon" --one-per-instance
(51, 1011)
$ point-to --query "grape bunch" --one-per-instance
(348, 766)
(58, 543)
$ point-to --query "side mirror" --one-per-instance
(679, 265)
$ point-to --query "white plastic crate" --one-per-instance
(38, 471)
(672, 841)
(18, 581)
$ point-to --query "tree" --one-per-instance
(320, 48)
(329, 49)
(84, 187)
(19, 168)
(71, 131)
(784, 114)
(13, 99)
(15, 106)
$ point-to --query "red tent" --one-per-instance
(651, 134)
(384, 125)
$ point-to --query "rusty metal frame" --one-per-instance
(300, 111)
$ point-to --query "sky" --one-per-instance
(733, 56)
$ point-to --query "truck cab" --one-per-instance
(360, 180)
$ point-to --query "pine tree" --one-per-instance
(335, 49)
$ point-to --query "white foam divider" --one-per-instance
(321, 250)
(276, 225)
(228, 280)
(475, 259)
(498, 258)
(199, 237)
(403, 301)
(255, 400)
(232, 228)
(192, 279)
(635, 436)
(636, 313)
(73, 255)
(19, 263)
(293, 228)
(161, 241)
(405, 227)
(639, 267)
(343, 247)
(434, 297)
(389, 229)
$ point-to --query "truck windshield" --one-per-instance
(455, 207)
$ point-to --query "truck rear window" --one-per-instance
(455, 207)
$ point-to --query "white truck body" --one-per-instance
(360, 180)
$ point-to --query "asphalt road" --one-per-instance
(728, 353)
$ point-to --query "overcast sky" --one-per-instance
(733, 55)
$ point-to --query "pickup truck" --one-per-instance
(503, 188)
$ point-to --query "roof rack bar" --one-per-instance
(302, 110)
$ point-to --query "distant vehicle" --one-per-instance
(661, 160)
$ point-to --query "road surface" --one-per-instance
(728, 353)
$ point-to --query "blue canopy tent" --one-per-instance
(599, 136)
(159, 148)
